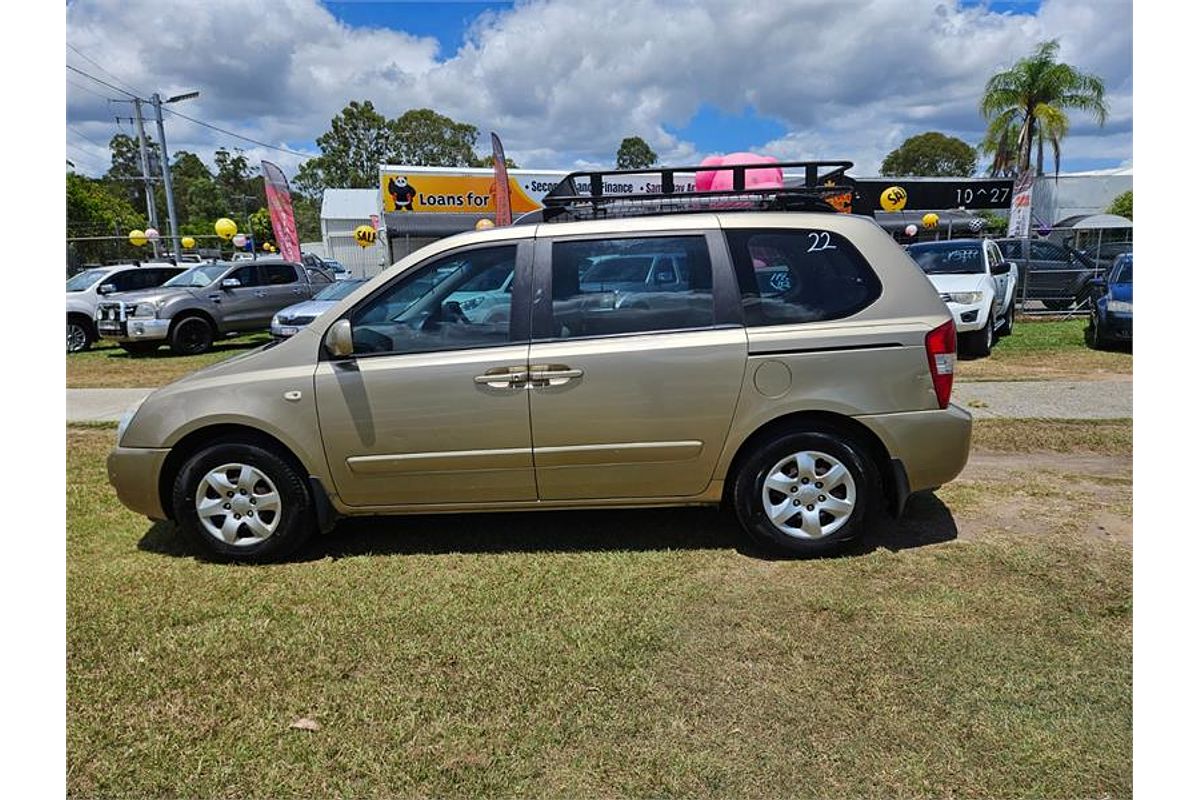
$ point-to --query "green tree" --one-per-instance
(125, 170)
(634, 153)
(94, 210)
(1122, 205)
(260, 227)
(930, 154)
(359, 139)
(1000, 143)
(427, 138)
(1035, 95)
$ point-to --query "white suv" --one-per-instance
(976, 284)
(84, 290)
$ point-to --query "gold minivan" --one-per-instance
(795, 364)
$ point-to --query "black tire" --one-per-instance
(296, 521)
(753, 471)
(191, 336)
(1006, 325)
(139, 348)
(1092, 336)
(80, 335)
(978, 344)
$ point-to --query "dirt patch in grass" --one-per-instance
(1107, 436)
(106, 365)
(611, 653)
(1047, 350)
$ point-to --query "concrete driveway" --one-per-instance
(101, 405)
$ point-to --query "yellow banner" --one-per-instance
(461, 193)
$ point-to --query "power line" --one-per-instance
(85, 136)
(99, 67)
(238, 135)
(83, 88)
(97, 80)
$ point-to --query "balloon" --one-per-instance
(152, 234)
(893, 198)
(267, 246)
(364, 235)
(225, 228)
(239, 240)
(930, 220)
(188, 242)
(910, 229)
(137, 238)
(722, 180)
(484, 224)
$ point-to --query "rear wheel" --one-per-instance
(191, 336)
(139, 348)
(806, 493)
(79, 336)
(242, 502)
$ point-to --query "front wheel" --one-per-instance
(242, 502)
(79, 338)
(191, 336)
(807, 493)
(979, 343)
(1092, 335)
(1006, 324)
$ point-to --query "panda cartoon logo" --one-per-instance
(402, 194)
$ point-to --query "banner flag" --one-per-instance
(283, 219)
(503, 198)
(1022, 205)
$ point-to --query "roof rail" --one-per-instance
(824, 187)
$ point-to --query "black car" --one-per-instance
(1055, 275)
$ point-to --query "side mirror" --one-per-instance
(106, 288)
(339, 339)
(230, 283)
(1004, 267)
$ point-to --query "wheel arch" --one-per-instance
(827, 422)
(191, 311)
(88, 323)
(226, 432)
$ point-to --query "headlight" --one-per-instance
(126, 418)
(143, 310)
(467, 305)
(965, 298)
(275, 321)
(1121, 306)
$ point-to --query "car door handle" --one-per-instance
(216, 298)
(503, 377)
(260, 294)
(552, 374)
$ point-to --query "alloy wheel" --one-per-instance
(77, 337)
(808, 495)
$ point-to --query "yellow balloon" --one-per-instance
(188, 242)
(930, 220)
(484, 224)
(137, 238)
(225, 228)
(893, 198)
(364, 235)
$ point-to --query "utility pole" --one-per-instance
(176, 247)
(151, 206)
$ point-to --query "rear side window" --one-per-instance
(796, 275)
(603, 287)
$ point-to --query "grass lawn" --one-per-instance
(980, 647)
(107, 365)
(1046, 350)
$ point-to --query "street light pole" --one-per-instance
(176, 245)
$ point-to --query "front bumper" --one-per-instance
(285, 331)
(134, 329)
(968, 318)
(932, 445)
(134, 473)
(1118, 327)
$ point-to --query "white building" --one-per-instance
(343, 210)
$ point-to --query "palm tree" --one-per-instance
(1033, 97)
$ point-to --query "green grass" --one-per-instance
(107, 365)
(1046, 350)
(607, 654)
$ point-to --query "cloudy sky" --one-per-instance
(564, 82)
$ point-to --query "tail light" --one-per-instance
(940, 346)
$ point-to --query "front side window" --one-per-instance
(280, 274)
(603, 287)
(1045, 251)
(85, 279)
(248, 276)
(796, 275)
(197, 277)
(424, 310)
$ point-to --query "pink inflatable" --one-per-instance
(722, 180)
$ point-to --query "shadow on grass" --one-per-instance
(164, 352)
(926, 521)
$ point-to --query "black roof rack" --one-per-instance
(824, 187)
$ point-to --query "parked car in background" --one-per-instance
(204, 303)
(811, 405)
(338, 269)
(1111, 319)
(1050, 273)
(1105, 255)
(976, 283)
(85, 289)
(288, 321)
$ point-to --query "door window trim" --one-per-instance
(518, 327)
(727, 306)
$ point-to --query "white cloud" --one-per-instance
(563, 83)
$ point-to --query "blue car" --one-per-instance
(1111, 322)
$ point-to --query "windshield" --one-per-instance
(336, 291)
(198, 276)
(1123, 273)
(948, 258)
(85, 279)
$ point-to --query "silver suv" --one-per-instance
(86, 289)
(195, 307)
(809, 404)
